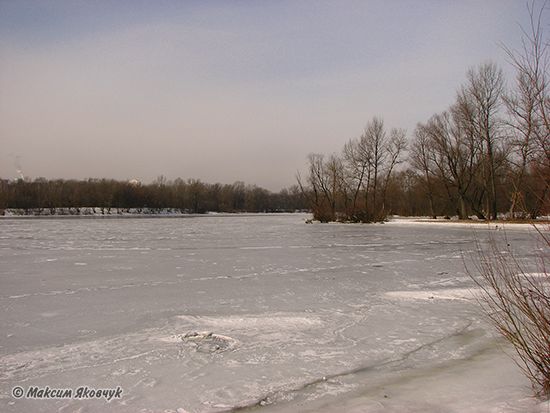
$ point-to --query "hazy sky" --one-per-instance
(226, 90)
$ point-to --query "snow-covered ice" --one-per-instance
(255, 312)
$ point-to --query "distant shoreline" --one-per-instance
(11, 214)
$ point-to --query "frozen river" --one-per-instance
(260, 312)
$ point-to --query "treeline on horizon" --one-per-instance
(486, 156)
(108, 196)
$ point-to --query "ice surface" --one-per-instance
(217, 313)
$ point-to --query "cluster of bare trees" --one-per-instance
(353, 186)
(489, 151)
(463, 151)
(43, 196)
(487, 155)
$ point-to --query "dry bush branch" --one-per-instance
(515, 296)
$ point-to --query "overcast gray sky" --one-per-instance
(226, 90)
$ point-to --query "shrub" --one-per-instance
(515, 296)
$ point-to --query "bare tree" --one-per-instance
(321, 192)
(422, 160)
(478, 104)
(375, 141)
(358, 163)
(395, 147)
